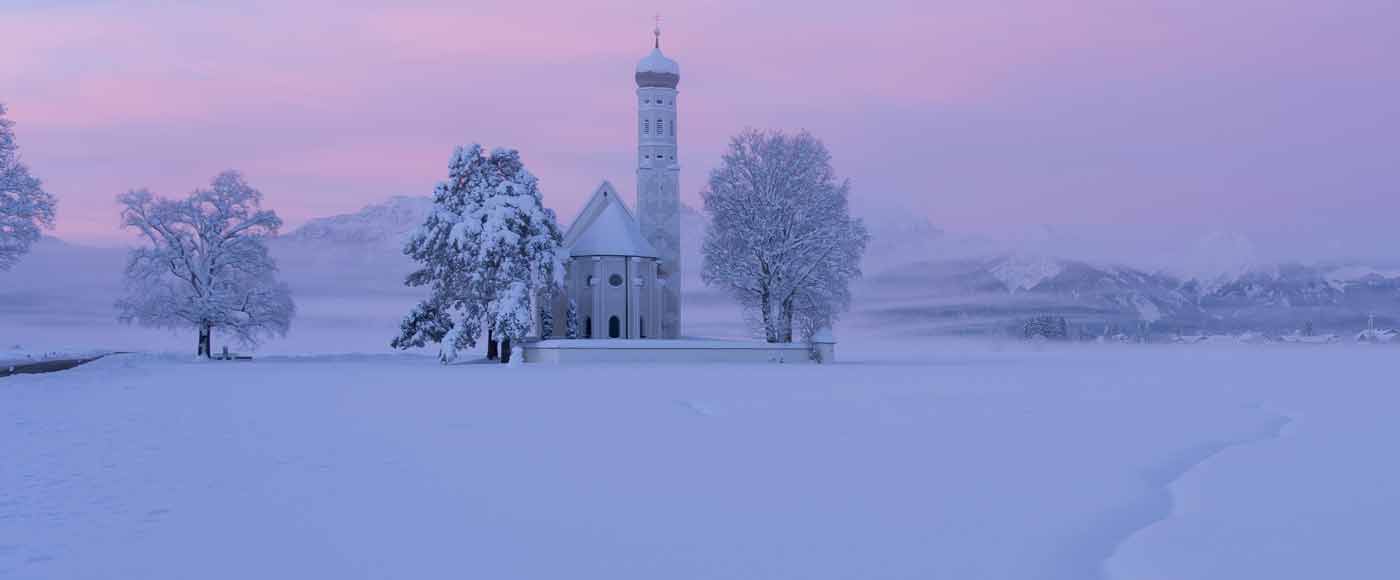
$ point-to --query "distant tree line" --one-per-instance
(1046, 327)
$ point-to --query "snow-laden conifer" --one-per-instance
(571, 320)
(487, 249)
(206, 265)
(781, 239)
(545, 303)
(24, 205)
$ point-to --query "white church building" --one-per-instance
(612, 273)
(623, 270)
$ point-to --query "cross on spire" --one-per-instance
(657, 30)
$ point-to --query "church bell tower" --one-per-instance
(658, 175)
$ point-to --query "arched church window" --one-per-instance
(588, 327)
(614, 327)
(642, 325)
(615, 280)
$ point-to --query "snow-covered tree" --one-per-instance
(819, 305)
(24, 205)
(487, 248)
(1046, 327)
(781, 239)
(207, 264)
(546, 306)
(571, 320)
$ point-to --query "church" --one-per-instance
(622, 271)
(622, 263)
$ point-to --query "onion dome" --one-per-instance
(656, 70)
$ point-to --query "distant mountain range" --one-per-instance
(995, 294)
(918, 279)
(387, 223)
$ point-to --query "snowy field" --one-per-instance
(907, 460)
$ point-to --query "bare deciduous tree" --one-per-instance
(207, 265)
(25, 207)
(781, 239)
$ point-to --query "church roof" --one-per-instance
(605, 227)
(658, 63)
(656, 70)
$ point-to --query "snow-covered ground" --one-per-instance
(907, 460)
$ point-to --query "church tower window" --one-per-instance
(646, 126)
(588, 327)
(614, 327)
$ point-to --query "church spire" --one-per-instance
(655, 70)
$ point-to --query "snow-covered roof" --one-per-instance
(658, 63)
(658, 71)
(605, 227)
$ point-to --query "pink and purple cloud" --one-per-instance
(1268, 118)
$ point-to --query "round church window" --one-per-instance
(615, 280)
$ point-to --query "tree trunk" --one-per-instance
(505, 350)
(204, 335)
(770, 328)
(491, 346)
(786, 320)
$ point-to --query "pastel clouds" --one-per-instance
(987, 115)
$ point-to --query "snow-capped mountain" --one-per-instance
(351, 254)
(1292, 294)
(1025, 272)
(381, 223)
(896, 238)
(997, 293)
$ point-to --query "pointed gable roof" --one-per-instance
(605, 227)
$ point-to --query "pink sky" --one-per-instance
(1277, 120)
